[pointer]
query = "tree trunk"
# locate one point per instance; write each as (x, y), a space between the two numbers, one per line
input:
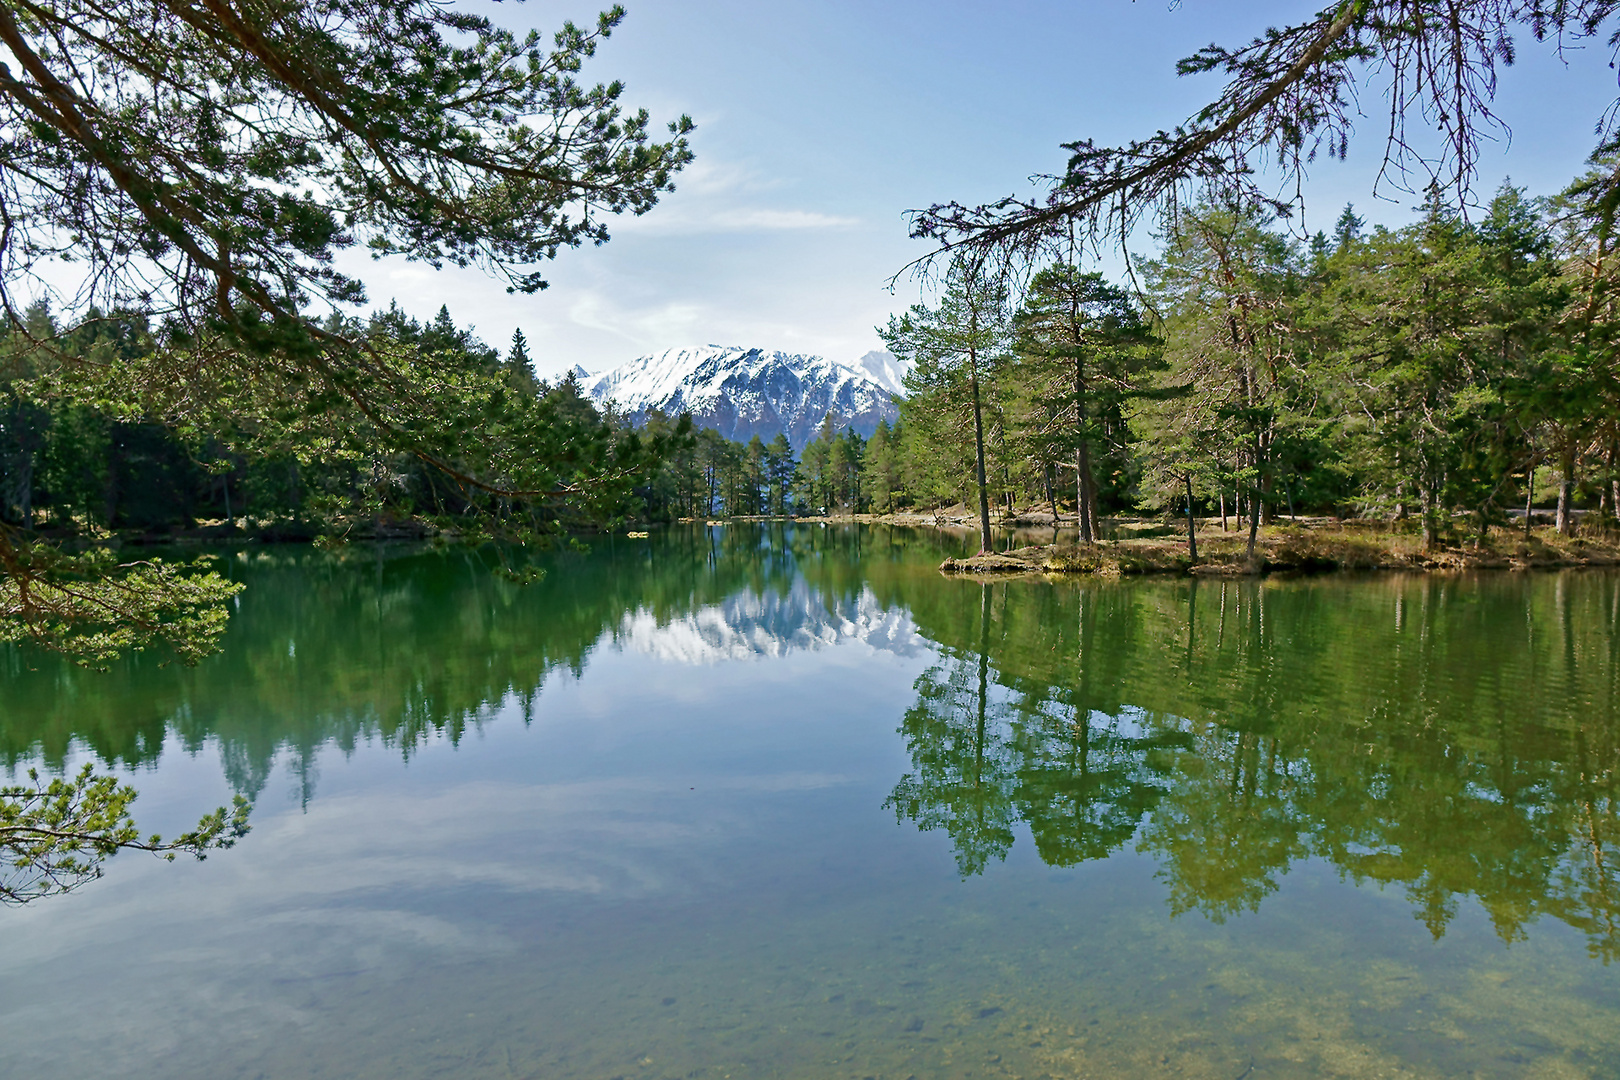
(985, 543)
(1566, 490)
(1192, 522)
(1529, 500)
(1085, 510)
(1431, 513)
(1086, 491)
(1255, 496)
(1222, 495)
(1254, 526)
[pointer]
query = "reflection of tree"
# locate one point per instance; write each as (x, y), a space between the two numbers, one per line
(962, 783)
(1080, 780)
(1454, 739)
(401, 645)
(369, 643)
(1088, 770)
(1085, 780)
(1229, 827)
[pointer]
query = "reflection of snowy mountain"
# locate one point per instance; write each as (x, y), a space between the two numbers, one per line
(749, 624)
(746, 392)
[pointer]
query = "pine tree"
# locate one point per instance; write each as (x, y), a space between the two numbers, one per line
(781, 473)
(955, 349)
(519, 366)
(1085, 351)
(211, 194)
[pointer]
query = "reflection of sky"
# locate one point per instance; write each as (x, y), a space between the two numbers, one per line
(645, 782)
(687, 864)
(686, 861)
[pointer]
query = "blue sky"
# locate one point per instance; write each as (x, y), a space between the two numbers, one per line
(821, 121)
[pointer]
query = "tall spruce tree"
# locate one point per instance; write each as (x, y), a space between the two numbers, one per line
(955, 349)
(1085, 352)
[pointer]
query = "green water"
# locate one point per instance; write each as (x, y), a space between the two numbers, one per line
(787, 803)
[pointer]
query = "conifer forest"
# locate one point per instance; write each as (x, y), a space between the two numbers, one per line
(1454, 374)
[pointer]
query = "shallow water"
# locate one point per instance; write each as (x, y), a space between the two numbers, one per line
(787, 803)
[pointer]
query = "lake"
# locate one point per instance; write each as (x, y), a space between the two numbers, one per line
(783, 801)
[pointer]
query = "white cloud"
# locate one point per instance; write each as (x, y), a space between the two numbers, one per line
(695, 221)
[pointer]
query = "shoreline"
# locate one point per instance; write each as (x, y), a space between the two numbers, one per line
(1133, 546)
(1296, 550)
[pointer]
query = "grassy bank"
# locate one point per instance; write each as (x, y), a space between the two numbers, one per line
(1299, 547)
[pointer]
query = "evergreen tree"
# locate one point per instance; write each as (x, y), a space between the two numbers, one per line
(519, 366)
(956, 349)
(780, 473)
(880, 471)
(211, 197)
(1223, 288)
(1085, 352)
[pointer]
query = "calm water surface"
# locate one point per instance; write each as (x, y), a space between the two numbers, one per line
(787, 803)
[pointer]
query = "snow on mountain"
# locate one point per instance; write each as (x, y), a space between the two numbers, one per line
(746, 392)
(751, 624)
(885, 369)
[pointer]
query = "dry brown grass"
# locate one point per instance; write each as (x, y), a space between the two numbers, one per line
(1307, 547)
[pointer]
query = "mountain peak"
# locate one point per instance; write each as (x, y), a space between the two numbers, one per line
(743, 392)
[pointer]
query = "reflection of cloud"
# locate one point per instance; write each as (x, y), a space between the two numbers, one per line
(383, 924)
(373, 886)
(604, 838)
(619, 839)
(748, 625)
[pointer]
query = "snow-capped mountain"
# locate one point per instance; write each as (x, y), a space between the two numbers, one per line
(751, 624)
(885, 369)
(746, 392)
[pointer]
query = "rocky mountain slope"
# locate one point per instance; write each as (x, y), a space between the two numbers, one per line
(747, 392)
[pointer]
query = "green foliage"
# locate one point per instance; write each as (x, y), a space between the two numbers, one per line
(92, 608)
(497, 454)
(1421, 373)
(958, 351)
(1220, 728)
(1085, 354)
(55, 836)
(201, 167)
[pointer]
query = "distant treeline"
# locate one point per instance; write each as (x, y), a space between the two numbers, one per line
(1446, 372)
(71, 467)
(66, 466)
